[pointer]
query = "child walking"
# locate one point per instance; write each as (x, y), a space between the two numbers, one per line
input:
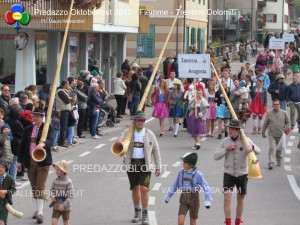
(189, 182)
(7, 188)
(61, 193)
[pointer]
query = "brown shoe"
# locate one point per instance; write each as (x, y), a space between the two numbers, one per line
(65, 145)
(34, 216)
(170, 129)
(40, 218)
(254, 130)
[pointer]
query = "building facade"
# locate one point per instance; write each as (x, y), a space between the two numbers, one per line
(101, 35)
(190, 29)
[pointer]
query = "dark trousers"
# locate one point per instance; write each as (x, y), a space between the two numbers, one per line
(64, 117)
(86, 119)
(119, 99)
(80, 125)
(242, 58)
(124, 104)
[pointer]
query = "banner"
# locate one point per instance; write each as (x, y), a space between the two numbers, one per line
(194, 66)
(276, 43)
(288, 37)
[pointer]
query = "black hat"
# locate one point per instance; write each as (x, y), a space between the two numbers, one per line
(190, 158)
(235, 124)
(3, 163)
(38, 111)
(139, 115)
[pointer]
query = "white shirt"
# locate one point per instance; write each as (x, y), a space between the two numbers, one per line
(138, 137)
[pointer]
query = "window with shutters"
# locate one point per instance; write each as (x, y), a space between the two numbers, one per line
(146, 42)
(187, 39)
(201, 40)
(271, 0)
(270, 18)
(193, 36)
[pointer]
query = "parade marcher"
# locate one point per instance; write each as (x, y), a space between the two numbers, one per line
(63, 104)
(159, 99)
(293, 100)
(258, 106)
(210, 95)
(189, 182)
(261, 61)
(278, 90)
(7, 188)
(196, 121)
(222, 112)
(119, 91)
(37, 171)
(226, 78)
(176, 104)
(143, 157)
(235, 169)
(62, 192)
(264, 77)
(278, 123)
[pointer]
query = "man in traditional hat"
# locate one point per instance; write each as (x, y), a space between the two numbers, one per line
(278, 90)
(143, 149)
(37, 171)
(235, 168)
(278, 122)
(189, 182)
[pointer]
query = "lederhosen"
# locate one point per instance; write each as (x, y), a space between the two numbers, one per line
(189, 199)
(138, 173)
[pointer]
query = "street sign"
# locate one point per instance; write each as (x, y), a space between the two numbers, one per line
(288, 37)
(276, 43)
(194, 66)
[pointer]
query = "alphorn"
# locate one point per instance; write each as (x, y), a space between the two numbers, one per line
(120, 148)
(12, 211)
(39, 154)
(253, 165)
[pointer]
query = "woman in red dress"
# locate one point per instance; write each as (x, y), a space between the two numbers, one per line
(258, 106)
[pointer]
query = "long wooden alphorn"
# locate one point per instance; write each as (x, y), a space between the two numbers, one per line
(253, 165)
(120, 148)
(39, 154)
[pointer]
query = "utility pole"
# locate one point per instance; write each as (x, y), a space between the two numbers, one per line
(282, 28)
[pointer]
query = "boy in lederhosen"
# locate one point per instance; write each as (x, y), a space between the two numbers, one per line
(189, 182)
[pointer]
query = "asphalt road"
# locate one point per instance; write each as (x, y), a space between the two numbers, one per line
(102, 195)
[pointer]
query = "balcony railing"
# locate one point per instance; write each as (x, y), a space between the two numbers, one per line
(261, 4)
(231, 25)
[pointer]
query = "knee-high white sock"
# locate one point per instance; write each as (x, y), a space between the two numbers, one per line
(254, 121)
(40, 205)
(259, 123)
(176, 128)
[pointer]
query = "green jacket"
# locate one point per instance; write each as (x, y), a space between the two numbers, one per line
(9, 185)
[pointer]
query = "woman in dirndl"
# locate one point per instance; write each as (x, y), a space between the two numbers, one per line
(222, 112)
(211, 111)
(159, 99)
(196, 124)
(176, 104)
(258, 106)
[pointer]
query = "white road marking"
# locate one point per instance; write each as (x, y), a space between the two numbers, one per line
(295, 130)
(84, 154)
(290, 143)
(51, 172)
(151, 200)
(152, 217)
(178, 163)
(156, 187)
(23, 185)
(287, 168)
(165, 174)
(149, 120)
(70, 161)
(204, 139)
(292, 137)
(287, 160)
(99, 146)
(294, 186)
(113, 139)
(288, 151)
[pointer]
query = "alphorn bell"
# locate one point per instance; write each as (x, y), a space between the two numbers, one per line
(253, 165)
(14, 212)
(38, 154)
(120, 148)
